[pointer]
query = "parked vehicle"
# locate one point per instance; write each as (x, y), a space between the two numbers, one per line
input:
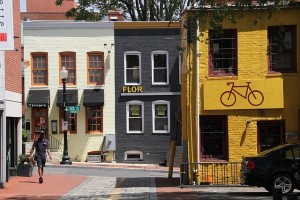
(278, 167)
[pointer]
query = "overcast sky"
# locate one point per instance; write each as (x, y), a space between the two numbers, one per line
(22, 5)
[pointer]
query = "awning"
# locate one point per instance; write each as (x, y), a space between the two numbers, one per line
(71, 98)
(38, 98)
(93, 97)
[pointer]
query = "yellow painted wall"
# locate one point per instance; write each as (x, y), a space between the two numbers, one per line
(282, 104)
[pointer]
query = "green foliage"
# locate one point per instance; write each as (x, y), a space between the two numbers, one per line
(24, 133)
(24, 158)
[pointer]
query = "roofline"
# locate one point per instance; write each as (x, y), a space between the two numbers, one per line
(68, 24)
(146, 25)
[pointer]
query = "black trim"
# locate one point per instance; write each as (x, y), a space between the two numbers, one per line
(38, 98)
(93, 97)
(71, 98)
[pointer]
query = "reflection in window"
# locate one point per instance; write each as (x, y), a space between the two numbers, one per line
(40, 68)
(135, 114)
(161, 116)
(223, 52)
(282, 49)
(160, 66)
(95, 68)
(94, 118)
(132, 68)
(214, 137)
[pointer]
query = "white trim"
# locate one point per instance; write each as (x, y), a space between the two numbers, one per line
(125, 68)
(133, 152)
(153, 116)
(152, 94)
(167, 67)
(127, 115)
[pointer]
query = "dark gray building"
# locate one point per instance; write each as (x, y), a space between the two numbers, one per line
(147, 81)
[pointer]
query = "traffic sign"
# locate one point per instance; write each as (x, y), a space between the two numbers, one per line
(73, 109)
(64, 125)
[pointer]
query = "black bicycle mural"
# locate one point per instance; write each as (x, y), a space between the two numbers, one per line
(228, 98)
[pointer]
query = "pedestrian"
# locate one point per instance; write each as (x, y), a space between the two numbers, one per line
(41, 147)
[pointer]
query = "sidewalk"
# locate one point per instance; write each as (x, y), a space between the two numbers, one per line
(60, 186)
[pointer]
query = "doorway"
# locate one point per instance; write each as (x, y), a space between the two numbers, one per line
(270, 134)
(39, 120)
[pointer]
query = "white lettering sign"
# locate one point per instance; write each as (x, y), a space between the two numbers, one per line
(6, 25)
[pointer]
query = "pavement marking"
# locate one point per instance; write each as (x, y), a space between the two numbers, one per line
(152, 189)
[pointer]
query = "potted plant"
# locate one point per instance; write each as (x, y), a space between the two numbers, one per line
(25, 165)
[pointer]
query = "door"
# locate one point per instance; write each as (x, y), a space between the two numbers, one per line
(39, 122)
(270, 134)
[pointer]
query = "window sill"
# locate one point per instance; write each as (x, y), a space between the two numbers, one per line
(280, 74)
(223, 77)
(94, 132)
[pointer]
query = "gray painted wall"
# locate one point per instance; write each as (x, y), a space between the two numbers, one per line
(155, 147)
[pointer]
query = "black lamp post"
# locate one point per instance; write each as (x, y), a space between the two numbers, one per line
(64, 76)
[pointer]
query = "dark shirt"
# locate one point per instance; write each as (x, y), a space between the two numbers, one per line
(41, 147)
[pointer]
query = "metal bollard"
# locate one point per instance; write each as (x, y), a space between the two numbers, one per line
(292, 196)
(277, 194)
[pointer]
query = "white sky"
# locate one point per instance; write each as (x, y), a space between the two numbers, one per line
(23, 5)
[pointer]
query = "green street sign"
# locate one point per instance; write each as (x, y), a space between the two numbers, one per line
(73, 109)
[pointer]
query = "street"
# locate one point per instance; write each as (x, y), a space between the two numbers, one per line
(118, 183)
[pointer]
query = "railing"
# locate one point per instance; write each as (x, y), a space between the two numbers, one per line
(210, 173)
(54, 143)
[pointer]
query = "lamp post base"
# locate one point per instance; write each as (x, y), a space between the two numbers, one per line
(66, 161)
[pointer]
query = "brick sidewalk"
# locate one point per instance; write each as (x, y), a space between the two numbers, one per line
(54, 187)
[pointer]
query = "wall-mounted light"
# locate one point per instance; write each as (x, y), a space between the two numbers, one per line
(54, 126)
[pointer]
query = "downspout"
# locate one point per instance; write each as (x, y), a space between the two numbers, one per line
(198, 95)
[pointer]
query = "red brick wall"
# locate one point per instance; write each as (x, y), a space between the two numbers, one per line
(13, 71)
(48, 6)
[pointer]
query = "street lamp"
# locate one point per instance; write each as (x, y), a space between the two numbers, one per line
(64, 76)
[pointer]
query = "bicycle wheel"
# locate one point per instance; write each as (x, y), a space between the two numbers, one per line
(255, 98)
(228, 98)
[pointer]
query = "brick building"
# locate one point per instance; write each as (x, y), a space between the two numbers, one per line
(242, 89)
(10, 92)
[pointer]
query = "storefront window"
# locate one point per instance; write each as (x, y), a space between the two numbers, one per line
(214, 137)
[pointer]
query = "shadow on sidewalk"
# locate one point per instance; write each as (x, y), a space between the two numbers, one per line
(167, 182)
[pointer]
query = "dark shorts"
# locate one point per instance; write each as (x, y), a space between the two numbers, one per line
(40, 161)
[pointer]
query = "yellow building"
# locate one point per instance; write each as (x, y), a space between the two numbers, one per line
(240, 88)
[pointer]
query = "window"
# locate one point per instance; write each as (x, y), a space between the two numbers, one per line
(94, 119)
(213, 132)
(133, 155)
(160, 68)
(95, 68)
(132, 68)
(282, 48)
(72, 121)
(39, 68)
(135, 117)
(68, 60)
(223, 52)
(161, 116)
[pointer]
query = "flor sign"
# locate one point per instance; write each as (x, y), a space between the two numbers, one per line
(6, 25)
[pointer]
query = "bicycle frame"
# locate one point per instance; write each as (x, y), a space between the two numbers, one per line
(244, 86)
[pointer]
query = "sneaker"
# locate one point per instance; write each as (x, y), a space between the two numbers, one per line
(41, 180)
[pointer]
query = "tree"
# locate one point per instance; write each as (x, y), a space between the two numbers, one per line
(134, 10)
(170, 10)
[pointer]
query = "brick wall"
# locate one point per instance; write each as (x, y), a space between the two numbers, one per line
(13, 72)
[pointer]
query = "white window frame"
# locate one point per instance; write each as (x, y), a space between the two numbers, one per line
(127, 115)
(133, 152)
(152, 67)
(125, 67)
(153, 116)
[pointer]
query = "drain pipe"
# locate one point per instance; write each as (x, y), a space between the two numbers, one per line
(198, 95)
